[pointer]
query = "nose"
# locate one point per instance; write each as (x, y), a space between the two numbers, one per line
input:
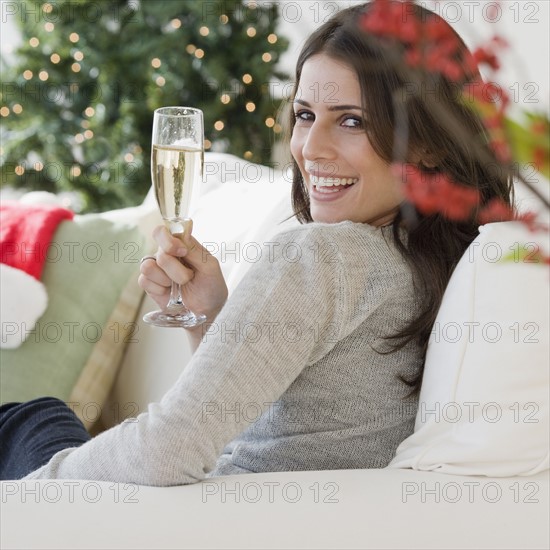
(318, 144)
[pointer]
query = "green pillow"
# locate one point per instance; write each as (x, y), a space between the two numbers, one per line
(90, 262)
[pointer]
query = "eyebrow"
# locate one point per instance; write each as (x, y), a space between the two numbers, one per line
(332, 108)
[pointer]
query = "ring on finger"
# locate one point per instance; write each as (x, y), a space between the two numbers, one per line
(147, 258)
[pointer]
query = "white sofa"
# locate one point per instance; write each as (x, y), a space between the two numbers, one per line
(388, 508)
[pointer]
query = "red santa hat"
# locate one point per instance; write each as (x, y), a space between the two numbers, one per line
(26, 231)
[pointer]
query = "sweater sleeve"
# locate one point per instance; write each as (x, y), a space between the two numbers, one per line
(285, 315)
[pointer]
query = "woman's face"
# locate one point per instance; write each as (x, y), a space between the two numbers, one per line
(345, 178)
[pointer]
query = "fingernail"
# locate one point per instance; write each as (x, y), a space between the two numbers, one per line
(181, 252)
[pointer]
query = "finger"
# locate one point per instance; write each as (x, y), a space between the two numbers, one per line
(167, 242)
(187, 232)
(186, 246)
(151, 270)
(196, 255)
(174, 268)
(152, 288)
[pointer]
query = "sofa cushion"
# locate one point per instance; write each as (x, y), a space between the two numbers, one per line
(484, 400)
(74, 352)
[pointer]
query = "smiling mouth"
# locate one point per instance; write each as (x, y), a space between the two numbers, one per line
(331, 185)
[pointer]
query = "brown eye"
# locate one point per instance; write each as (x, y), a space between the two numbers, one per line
(304, 116)
(353, 122)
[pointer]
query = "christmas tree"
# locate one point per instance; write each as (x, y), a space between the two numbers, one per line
(77, 104)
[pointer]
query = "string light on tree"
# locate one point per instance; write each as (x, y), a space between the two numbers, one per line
(59, 44)
(277, 128)
(272, 38)
(38, 166)
(75, 171)
(248, 155)
(266, 57)
(19, 170)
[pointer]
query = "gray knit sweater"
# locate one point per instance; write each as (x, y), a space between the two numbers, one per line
(287, 378)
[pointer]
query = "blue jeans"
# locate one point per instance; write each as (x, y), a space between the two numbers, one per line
(32, 432)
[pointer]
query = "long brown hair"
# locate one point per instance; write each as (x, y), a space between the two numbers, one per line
(459, 149)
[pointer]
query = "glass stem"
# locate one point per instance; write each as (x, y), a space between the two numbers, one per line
(175, 296)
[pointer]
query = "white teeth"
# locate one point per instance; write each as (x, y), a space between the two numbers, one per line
(319, 181)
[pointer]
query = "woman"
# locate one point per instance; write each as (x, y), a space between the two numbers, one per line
(340, 308)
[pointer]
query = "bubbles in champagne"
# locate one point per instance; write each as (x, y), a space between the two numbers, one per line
(175, 172)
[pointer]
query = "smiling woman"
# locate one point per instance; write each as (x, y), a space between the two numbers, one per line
(345, 178)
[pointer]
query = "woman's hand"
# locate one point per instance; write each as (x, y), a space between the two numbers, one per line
(203, 287)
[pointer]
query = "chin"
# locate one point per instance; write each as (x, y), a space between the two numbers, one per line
(324, 218)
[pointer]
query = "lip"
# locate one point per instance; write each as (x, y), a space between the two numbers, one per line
(328, 197)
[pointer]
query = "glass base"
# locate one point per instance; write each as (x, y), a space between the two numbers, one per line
(181, 317)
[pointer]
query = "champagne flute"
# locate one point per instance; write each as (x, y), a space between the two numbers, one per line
(176, 169)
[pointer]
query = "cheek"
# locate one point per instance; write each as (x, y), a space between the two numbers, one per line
(296, 147)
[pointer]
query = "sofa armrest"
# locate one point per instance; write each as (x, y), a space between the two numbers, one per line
(329, 509)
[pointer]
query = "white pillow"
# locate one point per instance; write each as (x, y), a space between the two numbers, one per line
(484, 399)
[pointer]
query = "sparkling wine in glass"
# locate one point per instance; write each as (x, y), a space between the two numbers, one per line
(176, 169)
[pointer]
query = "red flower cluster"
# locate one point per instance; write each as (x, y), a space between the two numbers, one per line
(496, 210)
(394, 20)
(433, 193)
(431, 44)
(487, 55)
(437, 193)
